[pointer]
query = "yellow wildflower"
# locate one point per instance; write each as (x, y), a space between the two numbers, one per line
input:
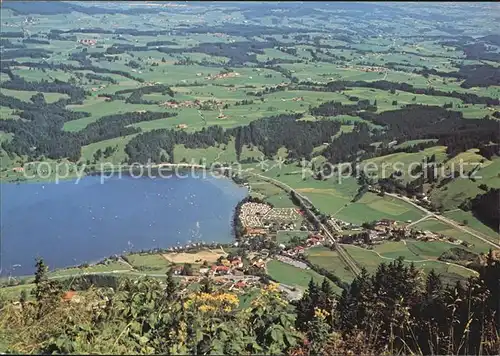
(272, 287)
(320, 313)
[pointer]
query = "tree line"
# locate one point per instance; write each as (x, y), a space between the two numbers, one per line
(40, 132)
(341, 85)
(158, 145)
(68, 67)
(475, 75)
(298, 137)
(486, 207)
(399, 309)
(136, 94)
(449, 127)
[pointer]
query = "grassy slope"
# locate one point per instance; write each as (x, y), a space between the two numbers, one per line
(291, 275)
(370, 260)
(439, 227)
(325, 258)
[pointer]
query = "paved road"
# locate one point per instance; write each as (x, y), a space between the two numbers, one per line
(447, 221)
(291, 261)
(342, 253)
(307, 204)
(292, 294)
(419, 220)
(418, 261)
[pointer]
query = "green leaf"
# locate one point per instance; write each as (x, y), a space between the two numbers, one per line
(274, 335)
(142, 340)
(135, 327)
(152, 319)
(217, 347)
(199, 335)
(291, 340)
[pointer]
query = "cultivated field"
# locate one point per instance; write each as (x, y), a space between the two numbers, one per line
(370, 260)
(199, 257)
(291, 275)
(330, 260)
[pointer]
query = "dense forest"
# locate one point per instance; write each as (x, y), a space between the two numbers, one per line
(158, 145)
(342, 85)
(136, 94)
(421, 121)
(267, 77)
(475, 75)
(271, 133)
(40, 132)
(333, 108)
(268, 134)
(486, 207)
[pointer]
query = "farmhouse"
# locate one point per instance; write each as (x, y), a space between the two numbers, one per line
(259, 263)
(297, 251)
(88, 42)
(220, 270)
(387, 222)
(240, 284)
(314, 240)
(71, 296)
(177, 270)
(236, 262)
(204, 270)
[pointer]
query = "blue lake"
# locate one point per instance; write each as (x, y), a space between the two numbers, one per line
(69, 224)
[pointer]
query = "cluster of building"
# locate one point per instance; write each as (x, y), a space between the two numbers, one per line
(419, 198)
(292, 262)
(367, 68)
(311, 241)
(386, 229)
(88, 42)
(231, 266)
(172, 104)
(102, 86)
(336, 224)
(222, 75)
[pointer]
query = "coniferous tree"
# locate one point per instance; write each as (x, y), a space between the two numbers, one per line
(46, 292)
(171, 287)
(206, 285)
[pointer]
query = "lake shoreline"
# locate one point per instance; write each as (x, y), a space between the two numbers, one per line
(116, 257)
(165, 213)
(123, 169)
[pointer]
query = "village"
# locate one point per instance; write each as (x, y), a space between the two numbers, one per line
(389, 230)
